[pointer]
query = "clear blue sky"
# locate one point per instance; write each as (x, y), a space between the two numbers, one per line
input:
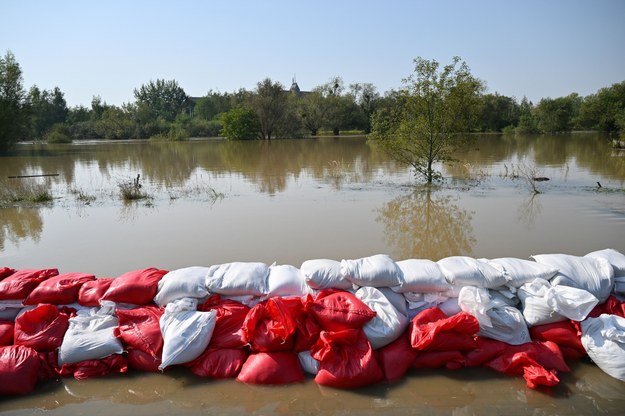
(532, 48)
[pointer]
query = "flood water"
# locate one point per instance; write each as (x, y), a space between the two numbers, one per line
(213, 201)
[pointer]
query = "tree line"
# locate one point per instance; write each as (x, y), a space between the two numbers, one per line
(163, 110)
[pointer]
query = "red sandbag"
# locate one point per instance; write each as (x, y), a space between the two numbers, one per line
(565, 333)
(19, 369)
(143, 361)
(41, 328)
(612, 306)
(137, 287)
(6, 333)
(271, 325)
(228, 332)
(6, 272)
(338, 310)
(219, 363)
(547, 354)
(58, 290)
(452, 360)
(396, 358)
(346, 360)
(432, 328)
(114, 363)
(279, 367)
(139, 329)
(19, 284)
(307, 332)
(92, 291)
(486, 349)
(520, 363)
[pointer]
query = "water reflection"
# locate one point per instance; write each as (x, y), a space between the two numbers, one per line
(427, 224)
(20, 223)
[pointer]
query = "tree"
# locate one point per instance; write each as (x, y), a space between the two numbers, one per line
(240, 123)
(432, 110)
(498, 112)
(46, 109)
(270, 102)
(557, 115)
(13, 115)
(367, 98)
(162, 99)
(211, 105)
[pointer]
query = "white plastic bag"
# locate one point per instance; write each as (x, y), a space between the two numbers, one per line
(467, 271)
(603, 339)
(615, 258)
(308, 363)
(186, 331)
(238, 278)
(374, 271)
(421, 275)
(520, 271)
(388, 324)
(286, 280)
(188, 282)
(324, 274)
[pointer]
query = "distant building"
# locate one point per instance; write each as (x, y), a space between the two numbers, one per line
(296, 90)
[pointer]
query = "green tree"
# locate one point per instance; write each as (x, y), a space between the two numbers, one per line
(600, 111)
(527, 120)
(270, 103)
(13, 115)
(557, 115)
(162, 99)
(497, 112)
(367, 98)
(46, 109)
(240, 123)
(434, 108)
(312, 111)
(211, 105)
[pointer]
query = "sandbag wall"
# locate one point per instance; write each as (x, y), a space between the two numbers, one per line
(348, 323)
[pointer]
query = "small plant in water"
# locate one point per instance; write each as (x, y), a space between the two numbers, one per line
(25, 192)
(131, 190)
(529, 174)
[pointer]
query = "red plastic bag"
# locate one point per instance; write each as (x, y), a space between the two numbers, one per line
(219, 363)
(19, 369)
(486, 349)
(19, 284)
(228, 332)
(278, 367)
(114, 363)
(433, 330)
(547, 354)
(612, 306)
(143, 361)
(346, 360)
(58, 290)
(338, 310)
(139, 329)
(6, 333)
(6, 272)
(92, 291)
(452, 360)
(565, 333)
(396, 358)
(271, 325)
(41, 328)
(137, 287)
(521, 363)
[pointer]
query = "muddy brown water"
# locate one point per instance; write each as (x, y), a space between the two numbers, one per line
(212, 201)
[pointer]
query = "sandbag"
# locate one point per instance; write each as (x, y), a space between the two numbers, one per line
(9, 309)
(139, 329)
(346, 360)
(115, 363)
(615, 258)
(19, 369)
(324, 274)
(309, 364)
(276, 367)
(272, 325)
(396, 358)
(593, 274)
(497, 320)
(137, 287)
(91, 292)
(422, 276)
(338, 310)
(449, 359)
(604, 340)
(230, 316)
(485, 350)
(433, 330)
(388, 324)
(521, 363)
(186, 331)
(18, 285)
(6, 272)
(286, 280)
(377, 271)
(520, 271)
(467, 271)
(612, 306)
(58, 290)
(238, 278)
(41, 328)
(219, 363)
(6, 332)
(188, 282)
(90, 336)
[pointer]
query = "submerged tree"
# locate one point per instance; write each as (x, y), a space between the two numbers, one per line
(13, 117)
(425, 124)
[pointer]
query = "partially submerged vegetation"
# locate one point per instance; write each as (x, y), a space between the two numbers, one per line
(24, 192)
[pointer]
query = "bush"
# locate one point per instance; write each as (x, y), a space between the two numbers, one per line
(58, 133)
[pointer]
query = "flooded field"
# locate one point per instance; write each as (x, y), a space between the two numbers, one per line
(208, 202)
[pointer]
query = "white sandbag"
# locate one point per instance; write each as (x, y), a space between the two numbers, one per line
(619, 285)
(467, 271)
(324, 274)
(397, 299)
(286, 280)
(594, 274)
(497, 319)
(90, 335)
(186, 331)
(375, 271)
(308, 363)
(9, 309)
(421, 275)
(544, 303)
(388, 324)
(450, 307)
(520, 271)
(188, 282)
(507, 296)
(616, 259)
(603, 339)
(238, 278)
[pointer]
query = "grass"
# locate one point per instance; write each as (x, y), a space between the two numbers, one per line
(131, 190)
(25, 192)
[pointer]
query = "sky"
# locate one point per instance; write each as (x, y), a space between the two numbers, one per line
(108, 48)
